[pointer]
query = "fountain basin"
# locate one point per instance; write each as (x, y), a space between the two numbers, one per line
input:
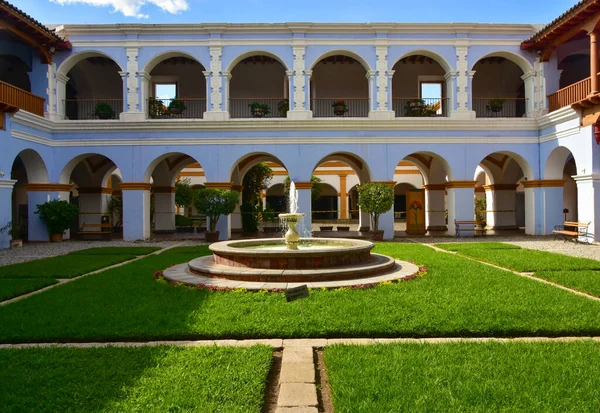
(273, 254)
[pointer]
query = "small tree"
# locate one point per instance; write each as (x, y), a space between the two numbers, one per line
(480, 208)
(376, 199)
(57, 215)
(184, 193)
(215, 202)
(256, 179)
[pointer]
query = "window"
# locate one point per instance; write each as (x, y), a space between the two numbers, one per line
(432, 94)
(165, 92)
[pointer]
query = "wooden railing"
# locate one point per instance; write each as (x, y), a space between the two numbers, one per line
(570, 94)
(13, 97)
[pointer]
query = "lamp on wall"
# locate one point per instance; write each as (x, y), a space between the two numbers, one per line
(597, 132)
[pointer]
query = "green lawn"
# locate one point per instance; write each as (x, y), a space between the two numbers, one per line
(10, 288)
(143, 379)
(521, 259)
(63, 266)
(586, 281)
(474, 377)
(458, 297)
(116, 251)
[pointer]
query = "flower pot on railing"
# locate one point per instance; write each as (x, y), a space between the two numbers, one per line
(495, 105)
(259, 110)
(339, 108)
(177, 106)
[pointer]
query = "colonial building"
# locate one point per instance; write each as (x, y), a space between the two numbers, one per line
(94, 112)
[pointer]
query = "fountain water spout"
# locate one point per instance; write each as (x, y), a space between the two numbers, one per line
(291, 236)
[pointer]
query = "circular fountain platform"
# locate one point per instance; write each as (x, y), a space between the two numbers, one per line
(268, 264)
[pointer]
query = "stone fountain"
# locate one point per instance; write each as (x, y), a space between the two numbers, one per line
(274, 263)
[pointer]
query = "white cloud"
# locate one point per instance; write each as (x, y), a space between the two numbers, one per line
(132, 8)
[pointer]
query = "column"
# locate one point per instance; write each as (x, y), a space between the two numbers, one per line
(382, 96)
(164, 209)
(224, 223)
(543, 206)
(343, 197)
(38, 194)
(463, 89)
(501, 206)
(93, 203)
(136, 210)
(305, 207)
(594, 61)
(529, 82)
(6, 213)
(370, 75)
(215, 109)
(145, 83)
(131, 86)
(451, 104)
(461, 204)
(299, 87)
(435, 202)
(588, 202)
(236, 217)
(61, 95)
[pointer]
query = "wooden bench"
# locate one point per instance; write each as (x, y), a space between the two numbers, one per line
(573, 230)
(104, 230)
(471, 227)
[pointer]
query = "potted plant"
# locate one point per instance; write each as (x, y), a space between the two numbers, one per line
(270, 220)
(250, 219)
(259, 110)
(416, 107)
(177, 106)
(15, 229)
(283, 107)
(375, 199)
(183, 224)
(495, 105)
(344, 225)
(213, 203)
(156, 108)
(104, 111)
(480, 213)
(339, 107)
(58, 216)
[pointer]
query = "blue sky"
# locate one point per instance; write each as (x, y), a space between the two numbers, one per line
(251, 11)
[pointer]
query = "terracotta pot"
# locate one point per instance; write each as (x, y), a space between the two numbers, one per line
(56, 237)
(258, 113)
(16, 243)
(339, 110)
(271, 230)
(326, 228)
(377, 235)
(211, 236)
(343, 228)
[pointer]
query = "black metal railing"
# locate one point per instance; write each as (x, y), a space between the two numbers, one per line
(181, 108)
(258, 107)
(420, 107)
(85, 109)
(500, 107)
(352, 108)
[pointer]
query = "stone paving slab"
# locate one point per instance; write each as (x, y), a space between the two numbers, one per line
(297, 373)
(297, 395)
(297, 410)
(298, 354)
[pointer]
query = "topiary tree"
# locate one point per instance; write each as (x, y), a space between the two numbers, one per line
(184, 193)
(215, 202)
(376, 199)
(57, 215)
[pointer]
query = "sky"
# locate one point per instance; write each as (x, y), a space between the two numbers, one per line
(270, 11)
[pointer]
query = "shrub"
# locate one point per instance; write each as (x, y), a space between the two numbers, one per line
(184, 194)
(182, 221)
(376, 199)
(104, 111)
(215, 202)
(58, 215)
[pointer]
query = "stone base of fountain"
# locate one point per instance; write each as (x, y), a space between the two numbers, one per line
(267, 263)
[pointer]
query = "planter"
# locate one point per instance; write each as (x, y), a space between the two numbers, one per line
(339, 110)
(270, 230)
(56, 237)
(184, 229)
(249, 234)
(176, 111)
(211, 236)
(16, 243)
(258, 113)
(377, 235)
(343, 228)
(105, 116)
(326, 228)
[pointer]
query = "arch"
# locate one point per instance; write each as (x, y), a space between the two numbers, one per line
(523, 164)
(243, 164)
(72, 60)
(554, 164)
(257, 52)
(358, 164)
(157, 59)
(513, 57)
(65, 174)
(341, 52)
(171, 166)
(424, 161)
(35, 167)
(428, 53)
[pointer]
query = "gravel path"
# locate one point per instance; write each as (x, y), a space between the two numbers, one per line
(546, 243)
(31, 252)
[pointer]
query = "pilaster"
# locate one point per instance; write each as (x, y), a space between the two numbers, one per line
(6, 213)
(463, 91)
(305, 207)
(136, 210)
(216, 104)
(300, 103)
(435, 214)
(131, 85)
(461, 204)
(588, 202)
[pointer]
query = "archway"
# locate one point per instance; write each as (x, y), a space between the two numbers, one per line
(339, 86)
(419, 87)
(498, 88)
(176, 88)
(258, 87)
(15, 71)
(561, 165)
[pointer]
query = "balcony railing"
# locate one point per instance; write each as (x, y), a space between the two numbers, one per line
(416, 107)
(570, 94)
(500, 107)
(87, 109)
(182, 108)
(13, 97)
(241, 107)
(323, 108)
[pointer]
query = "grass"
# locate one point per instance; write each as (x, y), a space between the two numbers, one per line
(586, 281)
(521, 259)
(143, 379)
(62, 266)
(10, 288)
(474, 377)
(458, 297)
(116, 251)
